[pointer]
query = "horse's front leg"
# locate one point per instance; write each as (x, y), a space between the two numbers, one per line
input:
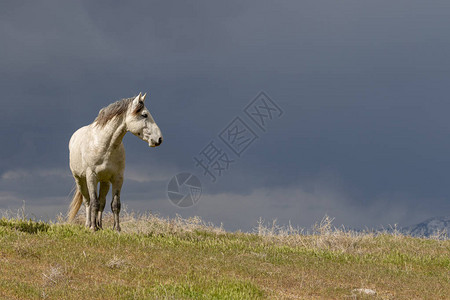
(104, 188)
(94, 205)
(115, 204)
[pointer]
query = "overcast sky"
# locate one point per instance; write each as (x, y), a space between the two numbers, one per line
(363, 86)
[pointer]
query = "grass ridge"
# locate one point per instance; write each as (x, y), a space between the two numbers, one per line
(162, 258)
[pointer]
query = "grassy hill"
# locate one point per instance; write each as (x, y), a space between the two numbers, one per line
(155, 258)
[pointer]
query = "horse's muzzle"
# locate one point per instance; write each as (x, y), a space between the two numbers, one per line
(155, 144)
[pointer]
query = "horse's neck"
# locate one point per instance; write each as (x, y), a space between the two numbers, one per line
(110, 136)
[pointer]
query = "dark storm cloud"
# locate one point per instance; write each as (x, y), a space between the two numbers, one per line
(364, 88)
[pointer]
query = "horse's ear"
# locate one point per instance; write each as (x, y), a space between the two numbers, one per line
(137, 99)
(143, 97)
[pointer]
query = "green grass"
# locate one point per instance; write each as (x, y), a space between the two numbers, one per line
(155, 258)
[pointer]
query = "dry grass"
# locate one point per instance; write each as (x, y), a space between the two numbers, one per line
(53, 275)
(149, 223)
(161, 258)
(116, 263)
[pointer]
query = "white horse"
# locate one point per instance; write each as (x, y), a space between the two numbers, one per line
(97, 156)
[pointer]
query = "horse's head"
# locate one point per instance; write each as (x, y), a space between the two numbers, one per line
(140, 122)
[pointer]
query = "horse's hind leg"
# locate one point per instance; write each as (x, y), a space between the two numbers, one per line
(104, 188)
(82, 187)
(115, 204)
(92, 181)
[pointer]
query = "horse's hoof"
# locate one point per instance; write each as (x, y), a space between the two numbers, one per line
(93, 228)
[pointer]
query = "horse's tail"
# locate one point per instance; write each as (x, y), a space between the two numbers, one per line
(75, 205)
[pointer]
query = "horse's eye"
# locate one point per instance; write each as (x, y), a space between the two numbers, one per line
(144, 115)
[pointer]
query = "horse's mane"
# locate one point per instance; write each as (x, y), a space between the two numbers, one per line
(116, 109)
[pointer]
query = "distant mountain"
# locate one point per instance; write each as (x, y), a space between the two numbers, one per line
(429, 227)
